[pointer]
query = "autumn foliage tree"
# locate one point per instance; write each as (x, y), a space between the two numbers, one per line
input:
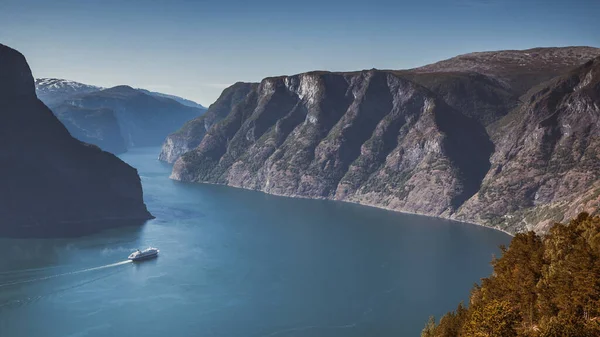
(541, 287)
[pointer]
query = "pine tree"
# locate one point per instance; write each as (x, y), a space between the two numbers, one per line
(541, 287)
(429, 329)
(493, 319)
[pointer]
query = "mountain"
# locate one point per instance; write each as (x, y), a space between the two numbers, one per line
(368, 137)
(97, 126)
(517, 70)
(144, 120)
(52, 91)
(192, 132)
(436, 140)
(115, 118)
(180, 100)
(478, 96)
(53, 184)
(547, 158)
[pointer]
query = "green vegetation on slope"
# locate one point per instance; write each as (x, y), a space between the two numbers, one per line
(541, 287)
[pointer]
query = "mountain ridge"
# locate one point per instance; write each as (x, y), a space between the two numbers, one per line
(115, 118)
(54, 90)
(517, 69)
(54, 185)
(422, 142)
(312, 127)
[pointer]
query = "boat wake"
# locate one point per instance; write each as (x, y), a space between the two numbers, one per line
(29, 270)
(33, 299)
(65, 274)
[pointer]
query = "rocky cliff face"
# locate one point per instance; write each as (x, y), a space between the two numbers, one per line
(51, 183)
(482, 97)
(370, 137)
(192, 132)
(546, 167)
(434, 140)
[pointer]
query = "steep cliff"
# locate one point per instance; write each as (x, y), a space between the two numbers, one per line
(479, 96)
(192, 132)
(369, 137)
(51, 183)
(546, 167)
(457, 139)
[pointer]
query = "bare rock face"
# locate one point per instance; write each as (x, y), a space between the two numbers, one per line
(370, 137)
(51, 183)
(192, 132)
(494, 138)
(546, 167)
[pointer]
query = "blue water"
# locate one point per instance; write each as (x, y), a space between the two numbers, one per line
(240, 263)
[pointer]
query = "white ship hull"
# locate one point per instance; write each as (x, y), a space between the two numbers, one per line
(149, 253)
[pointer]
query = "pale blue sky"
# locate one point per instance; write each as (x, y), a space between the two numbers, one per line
(196, 48)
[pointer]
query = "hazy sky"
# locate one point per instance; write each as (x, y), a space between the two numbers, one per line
(196, 48)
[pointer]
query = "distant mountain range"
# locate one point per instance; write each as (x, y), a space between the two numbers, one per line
(53, 184)
(181, 100)
(55, 90)
(508, 139)
(115, 118)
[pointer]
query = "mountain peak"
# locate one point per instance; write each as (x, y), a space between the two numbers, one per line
(15, 78)
(122, 88)
(53, 184)
(52, 91)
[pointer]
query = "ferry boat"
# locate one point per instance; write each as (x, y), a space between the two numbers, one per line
(143, 254)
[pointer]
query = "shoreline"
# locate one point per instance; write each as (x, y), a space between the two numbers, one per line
(350, 202)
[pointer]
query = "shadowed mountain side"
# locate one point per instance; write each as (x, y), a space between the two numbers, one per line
(95, 126)
(142, 118)
(51, 180)
(546, 165)
(475, 95)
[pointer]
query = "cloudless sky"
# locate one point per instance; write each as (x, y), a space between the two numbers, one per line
(195, 49)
